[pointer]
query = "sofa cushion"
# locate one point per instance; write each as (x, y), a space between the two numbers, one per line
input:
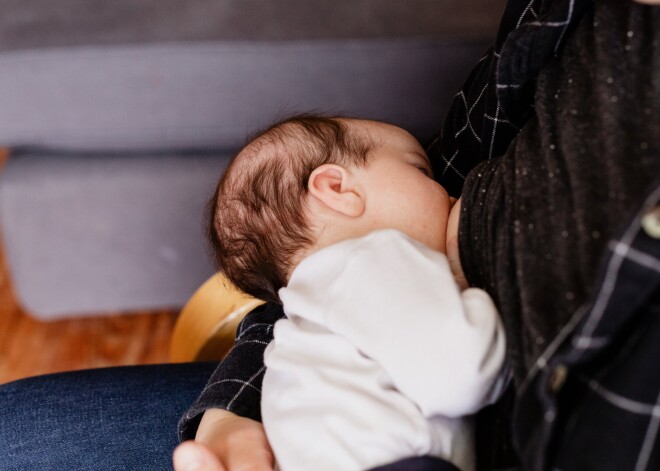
(110, 233)
(209, 95)
(35, 24)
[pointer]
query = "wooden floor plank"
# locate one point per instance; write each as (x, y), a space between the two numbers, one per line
(29, 347)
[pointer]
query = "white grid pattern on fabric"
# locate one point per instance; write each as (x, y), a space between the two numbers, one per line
(585, 339)
(528, 18)
(246, 384)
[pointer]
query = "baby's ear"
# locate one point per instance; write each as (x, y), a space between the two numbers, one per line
(335, 187)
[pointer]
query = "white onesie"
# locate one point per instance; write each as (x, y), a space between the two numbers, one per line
(381, 357)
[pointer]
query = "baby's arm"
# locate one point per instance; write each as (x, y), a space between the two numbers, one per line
(378, 331)
(457, 341)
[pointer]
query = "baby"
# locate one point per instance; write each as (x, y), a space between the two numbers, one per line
(381, 356)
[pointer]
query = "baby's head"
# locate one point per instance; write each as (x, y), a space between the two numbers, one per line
(308, 182)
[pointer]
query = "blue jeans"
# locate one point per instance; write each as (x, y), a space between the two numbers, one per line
(108, 419)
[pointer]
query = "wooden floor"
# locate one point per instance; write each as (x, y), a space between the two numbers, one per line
(29, 347)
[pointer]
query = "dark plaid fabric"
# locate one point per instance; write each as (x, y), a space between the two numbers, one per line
(236, 384)
(594, 376)
(545, 223)
(497, 98)
(591, 401)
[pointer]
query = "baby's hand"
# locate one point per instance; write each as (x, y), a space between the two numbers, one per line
(225, 442)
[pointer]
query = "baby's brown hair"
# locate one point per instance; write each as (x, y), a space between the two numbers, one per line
(257, 220)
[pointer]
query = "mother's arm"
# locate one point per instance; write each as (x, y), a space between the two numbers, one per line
(224, 422)
(224, 442)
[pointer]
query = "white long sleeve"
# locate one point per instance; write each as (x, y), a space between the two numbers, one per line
(381, 357)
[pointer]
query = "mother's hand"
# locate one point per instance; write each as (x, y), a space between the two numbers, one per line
(225, 442)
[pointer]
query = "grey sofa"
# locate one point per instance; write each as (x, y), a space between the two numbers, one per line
(121, 115)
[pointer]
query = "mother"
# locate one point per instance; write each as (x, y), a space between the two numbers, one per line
(554, 141)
